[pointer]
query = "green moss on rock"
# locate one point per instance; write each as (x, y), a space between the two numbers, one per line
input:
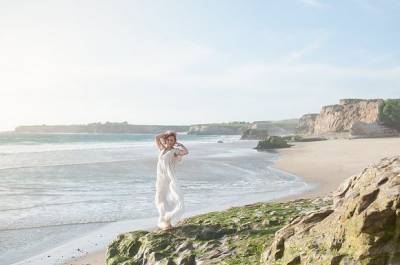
(272, 142)
(237, 235)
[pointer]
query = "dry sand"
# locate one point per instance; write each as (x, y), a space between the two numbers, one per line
(329, 163)
(326, 163)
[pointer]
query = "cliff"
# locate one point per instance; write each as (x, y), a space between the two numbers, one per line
(254, 130)
(259, 130)
(359, 223)
(351, 118)
(108, 127)
(231, 128)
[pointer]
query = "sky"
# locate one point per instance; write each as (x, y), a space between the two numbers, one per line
(187, 62)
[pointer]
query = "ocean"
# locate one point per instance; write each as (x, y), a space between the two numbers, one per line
(55, 188)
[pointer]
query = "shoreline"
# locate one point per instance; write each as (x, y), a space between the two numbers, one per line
(325, 163)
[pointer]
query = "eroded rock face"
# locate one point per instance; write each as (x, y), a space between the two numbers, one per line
(349, 118)
(340, 117)
(361, 227)
(254, 134)
(206, 129)
(307, 123)
(259, 130)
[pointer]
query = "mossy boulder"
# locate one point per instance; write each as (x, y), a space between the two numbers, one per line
(272, 142)
(237, 235)
(362, 227)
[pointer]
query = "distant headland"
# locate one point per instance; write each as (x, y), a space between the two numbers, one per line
(98, 127)
(351, 118)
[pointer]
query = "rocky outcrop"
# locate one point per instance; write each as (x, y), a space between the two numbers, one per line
(256, 130)
(259, 130)
(254, 134)
(361, 227)
(350, 118)
(272, 142)
(307, 123)
(237, 235)
(234, 128)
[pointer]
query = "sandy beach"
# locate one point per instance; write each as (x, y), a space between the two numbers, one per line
(329, 163)
(326, 163)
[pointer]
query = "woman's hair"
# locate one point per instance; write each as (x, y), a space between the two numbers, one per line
(169, 133)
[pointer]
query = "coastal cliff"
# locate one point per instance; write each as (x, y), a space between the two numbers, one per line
(98, 127)
(359, 223)
(353, 118)
(259, 130)
(229, 128)
(255, 130)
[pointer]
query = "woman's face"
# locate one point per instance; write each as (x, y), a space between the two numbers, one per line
(170, 141)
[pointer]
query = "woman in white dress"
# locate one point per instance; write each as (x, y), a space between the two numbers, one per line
(168, 198)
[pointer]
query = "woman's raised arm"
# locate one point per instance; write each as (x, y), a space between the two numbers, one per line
(160, 141)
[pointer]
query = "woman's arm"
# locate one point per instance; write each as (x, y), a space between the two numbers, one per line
(160, 141)
(184, 151)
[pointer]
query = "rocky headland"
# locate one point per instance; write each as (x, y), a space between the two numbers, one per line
(259, 130)
(353, 118)
(255, 130)
(228, 128)
(98, 127)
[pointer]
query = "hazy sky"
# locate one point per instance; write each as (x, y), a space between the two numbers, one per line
(185, 62)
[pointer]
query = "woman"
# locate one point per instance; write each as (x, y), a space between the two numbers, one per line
(171, 152)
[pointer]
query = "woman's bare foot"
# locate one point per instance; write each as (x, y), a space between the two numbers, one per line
(169, 227)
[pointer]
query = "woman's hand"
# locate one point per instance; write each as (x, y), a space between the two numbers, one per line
(184, 150)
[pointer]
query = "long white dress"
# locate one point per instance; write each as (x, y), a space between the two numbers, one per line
(168, 198)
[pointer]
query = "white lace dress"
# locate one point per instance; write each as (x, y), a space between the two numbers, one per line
(168, 198)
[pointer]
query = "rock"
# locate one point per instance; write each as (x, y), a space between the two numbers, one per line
(351, 118)
(187, 258)
(307, 123)
(233, 128)
(272, 142)
(361, 227)
(259, 130)
(234, 236)
(254, 134)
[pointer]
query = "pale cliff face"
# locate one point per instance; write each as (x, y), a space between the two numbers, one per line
(307, 123)
(341, 118)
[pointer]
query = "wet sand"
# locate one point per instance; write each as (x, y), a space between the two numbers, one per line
(95, 258)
